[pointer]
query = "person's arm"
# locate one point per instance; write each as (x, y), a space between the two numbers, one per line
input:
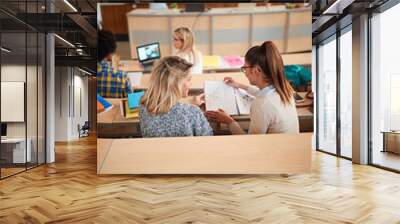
(201, 125)
(235, 128)
(252, 90)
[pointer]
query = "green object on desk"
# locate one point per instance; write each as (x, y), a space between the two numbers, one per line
(297, 75)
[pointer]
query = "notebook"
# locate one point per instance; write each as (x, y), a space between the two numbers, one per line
(105, 105)
(134, 99)
(127, 112)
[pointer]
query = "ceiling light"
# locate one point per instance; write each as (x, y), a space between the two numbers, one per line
(65, 41)
(70, 5)
(5, 50)
(84, 71)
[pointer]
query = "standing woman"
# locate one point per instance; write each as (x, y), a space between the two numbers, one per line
(274, 108)
(161, 112)
(183, 40)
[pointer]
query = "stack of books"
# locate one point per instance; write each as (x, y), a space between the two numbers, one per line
(130, 106)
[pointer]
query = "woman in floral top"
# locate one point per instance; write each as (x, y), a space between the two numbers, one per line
(161, 113)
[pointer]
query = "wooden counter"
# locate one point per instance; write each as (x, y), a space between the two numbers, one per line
(227, 31)
(240, 154)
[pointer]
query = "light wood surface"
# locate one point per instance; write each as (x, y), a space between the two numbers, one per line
(240, 154)
(223, 31)
(288, 59)
(70, 191)
(197, 82)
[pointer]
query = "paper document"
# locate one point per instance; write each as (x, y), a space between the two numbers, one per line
(219, 95)
(135, 78)
(243, 100)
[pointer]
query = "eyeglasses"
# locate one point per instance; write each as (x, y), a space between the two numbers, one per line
(243, 68)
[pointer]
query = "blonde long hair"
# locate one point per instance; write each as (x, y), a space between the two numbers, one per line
(187, 37)
(166, 84)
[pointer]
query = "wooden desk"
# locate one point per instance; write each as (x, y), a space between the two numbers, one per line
(237, 154)
(112, 124)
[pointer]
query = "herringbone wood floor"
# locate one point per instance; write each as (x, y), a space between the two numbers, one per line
(69, 191)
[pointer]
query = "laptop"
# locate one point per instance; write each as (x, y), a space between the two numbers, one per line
(148, 54)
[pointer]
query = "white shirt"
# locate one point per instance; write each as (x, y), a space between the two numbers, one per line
(197, 61)
(268, 114)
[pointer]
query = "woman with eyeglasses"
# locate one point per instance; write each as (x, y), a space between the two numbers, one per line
(162, 112)
(274, 108)
(183, 40)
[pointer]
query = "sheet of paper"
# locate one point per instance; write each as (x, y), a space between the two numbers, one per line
(218, 95)
(135, 78)
(243, 100)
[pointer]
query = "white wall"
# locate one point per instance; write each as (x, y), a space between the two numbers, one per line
(70, 83)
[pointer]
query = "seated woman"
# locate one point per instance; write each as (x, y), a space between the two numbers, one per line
(183, 40)
(161, 113)
(274, 108)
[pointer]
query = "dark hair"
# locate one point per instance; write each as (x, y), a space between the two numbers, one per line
(105, 44)
(269, 59)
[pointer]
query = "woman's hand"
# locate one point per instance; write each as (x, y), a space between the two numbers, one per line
(219, 116)
(199, 99)
(231, 82)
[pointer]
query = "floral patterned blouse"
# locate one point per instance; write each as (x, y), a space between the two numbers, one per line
(182, 120)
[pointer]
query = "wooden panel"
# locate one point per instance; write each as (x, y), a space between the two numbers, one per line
(241, 154)
(279, 44)
(114, 18)
(232, 22)
(92, 90)
(193, 22)
(269, 20)
(299, 59)
(148, 23)
(231, 48)
(300, 44)
(198, 80)
(300, 18)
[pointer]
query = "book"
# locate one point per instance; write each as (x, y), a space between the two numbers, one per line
(100, 107)
(102, 104)
(219, 95)
(126, 111)
(211, 61)
(134, 99)
(131, 113)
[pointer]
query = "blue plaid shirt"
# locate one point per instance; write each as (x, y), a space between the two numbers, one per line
(112, 83)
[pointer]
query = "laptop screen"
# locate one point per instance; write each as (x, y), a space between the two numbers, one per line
(148, 52)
